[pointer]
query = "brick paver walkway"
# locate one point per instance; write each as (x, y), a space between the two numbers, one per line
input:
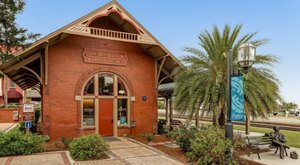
(123, 151)
(47, 158)
(128, 151)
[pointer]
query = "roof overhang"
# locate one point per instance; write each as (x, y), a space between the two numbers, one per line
(27, 70)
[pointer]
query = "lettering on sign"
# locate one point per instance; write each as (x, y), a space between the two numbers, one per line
(28, 107)
(28, 116)
(107, 57)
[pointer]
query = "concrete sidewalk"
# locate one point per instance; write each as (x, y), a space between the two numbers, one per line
(5, 127)
(123, 151)
(270, 158)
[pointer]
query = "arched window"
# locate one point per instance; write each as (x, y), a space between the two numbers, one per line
(121, 88)
(105, 86)
(89, 87)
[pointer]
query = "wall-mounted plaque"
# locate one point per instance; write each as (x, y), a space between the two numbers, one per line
(107, 57)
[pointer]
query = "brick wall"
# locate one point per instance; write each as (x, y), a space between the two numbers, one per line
(61, 116)
(6, 115)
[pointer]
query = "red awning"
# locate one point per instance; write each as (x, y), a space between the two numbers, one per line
(14, 95)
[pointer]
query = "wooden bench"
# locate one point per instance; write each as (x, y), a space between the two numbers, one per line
(257, 143)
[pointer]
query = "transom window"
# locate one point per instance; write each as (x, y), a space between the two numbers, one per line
(104, 86)
(106, 82)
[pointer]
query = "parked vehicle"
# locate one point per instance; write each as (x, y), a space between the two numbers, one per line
(296, 112)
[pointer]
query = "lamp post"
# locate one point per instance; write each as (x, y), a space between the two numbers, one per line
(246, 58)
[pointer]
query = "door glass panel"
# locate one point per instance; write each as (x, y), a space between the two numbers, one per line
(106, 83)
(122, 111)
(88, 112)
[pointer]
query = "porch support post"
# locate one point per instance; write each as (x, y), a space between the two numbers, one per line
(171, 109)
(155, 74)
(46, 63)
(42, 70)
(167, 112)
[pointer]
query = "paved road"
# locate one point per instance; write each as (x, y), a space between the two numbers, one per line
(288, 120)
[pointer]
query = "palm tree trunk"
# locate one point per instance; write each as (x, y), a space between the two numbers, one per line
(247, 123)
(222, 116)
(215, 119)
(197, 117)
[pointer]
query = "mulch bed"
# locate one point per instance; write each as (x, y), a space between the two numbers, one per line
(175, 153)
(178, 154)
(58, 146)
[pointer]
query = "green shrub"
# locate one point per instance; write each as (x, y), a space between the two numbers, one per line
(160, 104)
(185, 135)
(172, 134)
(10, 106)
(13, 106)
(239, 142)
(160, 126)
(209, 147)
(17, 143)
(88, 147)
(148, 137)
(66, 142)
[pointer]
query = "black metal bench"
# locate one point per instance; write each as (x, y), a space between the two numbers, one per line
(257, 143)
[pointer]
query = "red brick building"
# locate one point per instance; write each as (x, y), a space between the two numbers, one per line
(98, 74)
(14, 92)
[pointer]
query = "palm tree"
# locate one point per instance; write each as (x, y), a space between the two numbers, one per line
(202, 83)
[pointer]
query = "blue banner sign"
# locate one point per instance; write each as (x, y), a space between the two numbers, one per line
(237, 99)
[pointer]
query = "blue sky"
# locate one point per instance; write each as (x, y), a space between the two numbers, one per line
(177, 23)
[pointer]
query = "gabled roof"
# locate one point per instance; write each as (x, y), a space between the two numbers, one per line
(166, 61)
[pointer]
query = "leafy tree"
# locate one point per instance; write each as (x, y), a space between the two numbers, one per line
(289, 105)
(12, 37)
(202, 83)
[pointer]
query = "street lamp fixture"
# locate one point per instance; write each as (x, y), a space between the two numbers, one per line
(246, 55)
(246, 58)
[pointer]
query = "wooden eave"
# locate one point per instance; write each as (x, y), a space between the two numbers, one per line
(153, 48)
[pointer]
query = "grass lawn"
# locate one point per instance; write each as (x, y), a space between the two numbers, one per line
(292, 137)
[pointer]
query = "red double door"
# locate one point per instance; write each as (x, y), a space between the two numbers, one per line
(106, 107)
